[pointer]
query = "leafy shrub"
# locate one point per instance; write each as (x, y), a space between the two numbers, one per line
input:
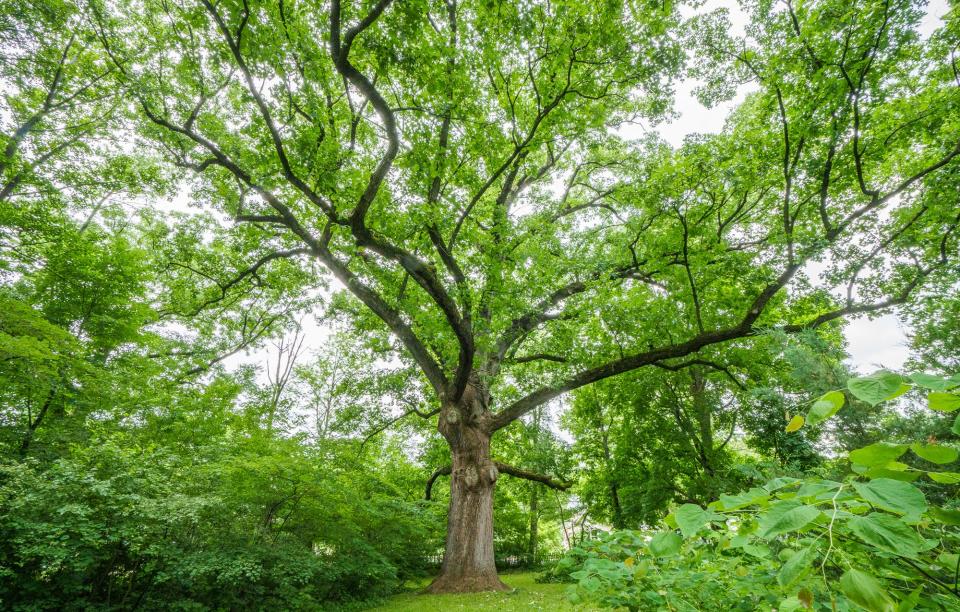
(870, 541)
(120, 527)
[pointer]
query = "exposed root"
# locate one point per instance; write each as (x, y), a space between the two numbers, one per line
(476, 583)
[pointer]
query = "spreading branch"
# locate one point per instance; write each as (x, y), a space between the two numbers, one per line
(503, 468)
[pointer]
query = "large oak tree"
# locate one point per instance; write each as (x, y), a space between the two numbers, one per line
(456, 166)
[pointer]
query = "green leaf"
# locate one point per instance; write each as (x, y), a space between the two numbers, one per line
(888, 533)
(956, 426)
(780, 482)
(895, 474)
(944, 515)
(791, 604)
(864, 590)
(931, 382)
(785, 516)
(911, 601)
(671, 520)
(796, 566)
(942, 401)
(691, 518)
(817, 489)
(877, 387)
(755, 495)
(879, 454)
(665, 544)
(825, 407)
(904, 387)
(795, 423)
(894, 495)
(756, 550)
(935, 453)
(944, 477)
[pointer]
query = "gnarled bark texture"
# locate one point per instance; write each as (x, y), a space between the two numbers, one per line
(468, 561)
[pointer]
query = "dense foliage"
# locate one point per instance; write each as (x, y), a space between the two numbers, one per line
(291, 291)
(872, 539)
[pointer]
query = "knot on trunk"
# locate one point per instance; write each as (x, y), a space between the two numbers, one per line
(478, 476)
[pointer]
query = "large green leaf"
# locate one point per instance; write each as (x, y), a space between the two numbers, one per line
(894, 495)
(691, 518)
(757, 550)
(791, 604)
(932, 382)
(825, 407)
(948, 560)
(911, 601)
(944, 477)
(896, 472)
(665, 544)
(780, 482)
(864, 590)
(817, 489)
(878, 454)
(877, 387)
(888, 533)
(795, 423)
(785, 516)
(941, 401)
(944, 515)
(935, 453)
(796, 566)
(755, 495)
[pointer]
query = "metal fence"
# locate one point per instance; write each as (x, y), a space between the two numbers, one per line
(505, 562)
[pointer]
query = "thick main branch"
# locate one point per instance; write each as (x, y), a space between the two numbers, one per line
(503, 468)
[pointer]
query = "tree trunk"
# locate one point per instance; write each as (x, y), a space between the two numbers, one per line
(468, 562)
(35, 423)
(534, 522)
(618, 521)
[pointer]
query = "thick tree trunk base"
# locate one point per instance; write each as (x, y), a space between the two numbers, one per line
(468, 561)
(476, 583)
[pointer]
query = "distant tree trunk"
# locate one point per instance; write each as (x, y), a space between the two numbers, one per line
(287, 354)
(468, 561)
(617, 508)
(703, 409)
(614, 487)
(32, 425)
(704, 415)
(601, 424)
(567, 535)
(534, 521)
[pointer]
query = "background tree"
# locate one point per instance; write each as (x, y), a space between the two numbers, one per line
(662, 437)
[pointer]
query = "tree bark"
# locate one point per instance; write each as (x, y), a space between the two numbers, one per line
(468, 561)
(534, 523)
(618, 521)
(35, 423)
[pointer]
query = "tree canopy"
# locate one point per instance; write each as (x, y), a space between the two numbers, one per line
(472, 194)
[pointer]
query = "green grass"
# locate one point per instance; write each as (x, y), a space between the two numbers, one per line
(527, 595)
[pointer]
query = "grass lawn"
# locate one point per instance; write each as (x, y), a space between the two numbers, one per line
(528, 595)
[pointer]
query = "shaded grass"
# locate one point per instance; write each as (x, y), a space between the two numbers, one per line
(527, 595)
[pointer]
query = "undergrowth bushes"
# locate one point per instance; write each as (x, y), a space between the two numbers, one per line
(120, 527)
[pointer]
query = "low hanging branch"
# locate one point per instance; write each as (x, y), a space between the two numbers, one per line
(503, 468)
